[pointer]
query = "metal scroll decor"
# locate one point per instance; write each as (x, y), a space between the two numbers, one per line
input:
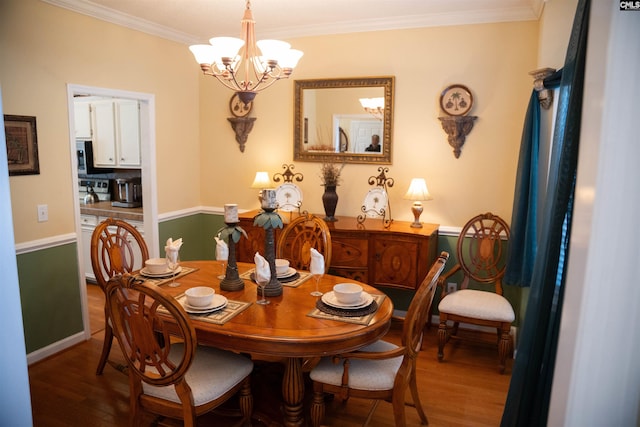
(376, 202)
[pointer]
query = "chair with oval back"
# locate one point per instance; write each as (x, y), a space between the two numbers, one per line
(481, 258)
(169, 374)
(299, 236)
(382, 370)
(115, 245)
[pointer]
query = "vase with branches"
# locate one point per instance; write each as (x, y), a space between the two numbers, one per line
(330, 176)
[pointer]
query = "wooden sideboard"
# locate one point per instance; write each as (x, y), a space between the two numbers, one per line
(397, 257)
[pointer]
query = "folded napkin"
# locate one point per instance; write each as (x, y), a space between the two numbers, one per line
(263, 272)
(222, 250)
(173, 247)
(317, 262)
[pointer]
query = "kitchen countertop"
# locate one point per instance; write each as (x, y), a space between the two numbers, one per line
(105, 209)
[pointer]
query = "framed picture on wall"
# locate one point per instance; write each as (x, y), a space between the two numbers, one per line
(22, 145)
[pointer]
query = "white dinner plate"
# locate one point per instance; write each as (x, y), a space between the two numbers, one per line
(290, 272)
(330, 299)
(218, 302)
(167, 273)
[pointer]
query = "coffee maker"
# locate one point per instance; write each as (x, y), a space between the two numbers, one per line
(128, 193)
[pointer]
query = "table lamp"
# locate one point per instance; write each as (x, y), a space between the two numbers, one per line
(262, 182)
(417, 192)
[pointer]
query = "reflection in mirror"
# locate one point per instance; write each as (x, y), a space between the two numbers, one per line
(331, 124)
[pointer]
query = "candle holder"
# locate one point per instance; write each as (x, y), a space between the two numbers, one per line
(269, 220)
(231, 234)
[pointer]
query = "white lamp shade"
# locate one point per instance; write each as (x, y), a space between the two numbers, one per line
(372, 103)
(226, 47)
(261, 180)
(418, 190)
(273, 49)
(291, 58)
(204, 53)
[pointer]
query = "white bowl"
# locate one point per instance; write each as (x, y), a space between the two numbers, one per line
(200, 296)
(347, 293)
(156, 265)
(282, 266)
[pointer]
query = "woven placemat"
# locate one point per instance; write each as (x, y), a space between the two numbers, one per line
(164, 280)
(359, 312)
(361, 319)
(293, 282)
(219, 317)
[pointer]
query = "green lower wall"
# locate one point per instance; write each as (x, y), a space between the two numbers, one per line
(50, 291)
(197, 232)
(50, 295)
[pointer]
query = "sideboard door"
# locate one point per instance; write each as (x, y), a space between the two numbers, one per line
(394, 261)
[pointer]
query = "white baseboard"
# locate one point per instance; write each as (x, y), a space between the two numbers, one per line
(51, 349)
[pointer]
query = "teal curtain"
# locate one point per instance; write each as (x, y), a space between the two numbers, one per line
(523, 243)
(530, 389)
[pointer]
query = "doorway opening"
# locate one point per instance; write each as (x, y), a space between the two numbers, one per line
(147, 171)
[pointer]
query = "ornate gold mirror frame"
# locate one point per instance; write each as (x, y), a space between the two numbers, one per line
(330, 124)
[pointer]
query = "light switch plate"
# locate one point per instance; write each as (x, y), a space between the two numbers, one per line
(43, 213)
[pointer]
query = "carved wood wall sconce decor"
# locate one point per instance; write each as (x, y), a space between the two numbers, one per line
(456, 101)
(242, 127)
(545, 96)
(240, 122)
(457, 129)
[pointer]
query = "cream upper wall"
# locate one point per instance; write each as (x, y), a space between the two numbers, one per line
(42, 49)
(555, 28)
(492, 60)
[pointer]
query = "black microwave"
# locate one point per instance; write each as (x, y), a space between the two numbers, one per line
(84, 151)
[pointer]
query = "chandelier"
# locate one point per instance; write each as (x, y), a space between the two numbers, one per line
(244, 65)
(373, 106)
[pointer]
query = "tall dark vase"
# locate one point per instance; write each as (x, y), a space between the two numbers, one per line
(330, 201)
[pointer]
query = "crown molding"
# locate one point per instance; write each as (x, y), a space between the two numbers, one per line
(530, 10)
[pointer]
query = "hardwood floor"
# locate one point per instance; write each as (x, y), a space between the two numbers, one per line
(465, 390)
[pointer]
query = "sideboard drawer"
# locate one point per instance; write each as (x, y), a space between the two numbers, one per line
(348, 251)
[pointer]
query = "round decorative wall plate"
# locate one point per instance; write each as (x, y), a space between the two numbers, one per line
(375, 202)
(289, 197)
(456, 100)
(239, 108)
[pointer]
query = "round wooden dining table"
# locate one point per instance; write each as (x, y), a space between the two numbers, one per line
(283, 328)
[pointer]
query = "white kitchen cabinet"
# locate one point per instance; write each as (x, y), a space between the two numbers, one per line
(82, 119)
(116, 133)
(128, 133)
(88, 224)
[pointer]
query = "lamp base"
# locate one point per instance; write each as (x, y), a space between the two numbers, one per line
(417, 211)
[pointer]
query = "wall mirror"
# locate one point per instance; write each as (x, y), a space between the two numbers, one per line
(331, 125)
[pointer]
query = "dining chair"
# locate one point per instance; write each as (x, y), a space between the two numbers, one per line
(481, 252)
(382, 370)
(169, 374)
(116, 247)
(299, 236)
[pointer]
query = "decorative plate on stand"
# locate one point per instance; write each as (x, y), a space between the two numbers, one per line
(375, 202)
(289, 197)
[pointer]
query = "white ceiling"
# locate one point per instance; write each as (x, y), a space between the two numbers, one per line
(195, 21)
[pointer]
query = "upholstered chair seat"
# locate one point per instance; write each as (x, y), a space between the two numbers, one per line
(212, 373)
(363, 374)
(478, 305)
